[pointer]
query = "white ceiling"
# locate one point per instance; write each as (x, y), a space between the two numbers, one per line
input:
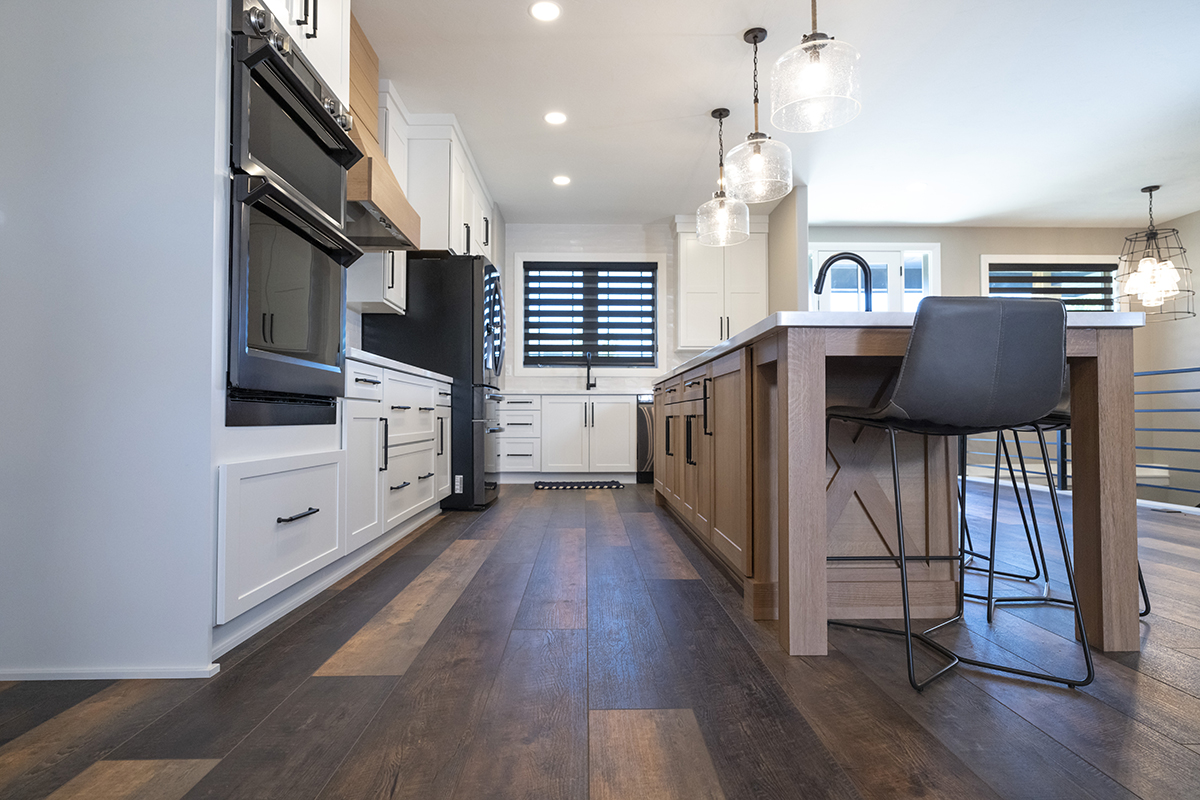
(1010, 112)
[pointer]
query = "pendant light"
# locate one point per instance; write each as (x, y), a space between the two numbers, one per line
(814, 86)
(760, 169)
(1155, 273)
(722, 221)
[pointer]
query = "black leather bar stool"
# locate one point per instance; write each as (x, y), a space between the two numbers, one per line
(973, 365)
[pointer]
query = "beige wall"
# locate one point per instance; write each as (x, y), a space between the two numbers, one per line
(787, 252)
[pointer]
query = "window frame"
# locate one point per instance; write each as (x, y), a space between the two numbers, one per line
(986, 260)
(517, 311)
(933, 248)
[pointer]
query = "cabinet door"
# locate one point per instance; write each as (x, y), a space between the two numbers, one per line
(612, 428)
(325, 41)
(564, 435)
(660, 450)
(377, 284)
(702, 454)
(672, 452)
(729, 421)
(701, 292)
(363, 441)
(395, 280)
(443, 452)
(457, 237)
(745, 283)
(689, 476)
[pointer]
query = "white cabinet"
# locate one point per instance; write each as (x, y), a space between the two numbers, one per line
(279, 520)
(378, 283)
(446, 193)
(589, 433)
(410, 406)
(323, 35)
(443, 440)
(362, 437)
(722, 290)
(409, 481)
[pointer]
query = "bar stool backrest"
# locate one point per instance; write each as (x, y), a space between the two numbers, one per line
(982, 362)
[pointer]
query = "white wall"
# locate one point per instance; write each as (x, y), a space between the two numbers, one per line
(619, 239)
(114, 248)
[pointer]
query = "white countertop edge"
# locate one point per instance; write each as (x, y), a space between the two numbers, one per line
(354, 354)
(577, 393)
(876, 319)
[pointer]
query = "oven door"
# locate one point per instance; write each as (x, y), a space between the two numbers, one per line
(287, 304)
(283, 128)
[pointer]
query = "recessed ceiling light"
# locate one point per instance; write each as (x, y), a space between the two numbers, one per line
(545, 11)
(555, 118)
(561, 180)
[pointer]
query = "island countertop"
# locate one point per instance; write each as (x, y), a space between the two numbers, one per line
(874, 319)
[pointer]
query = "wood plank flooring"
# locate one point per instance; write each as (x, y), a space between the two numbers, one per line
(578, 644)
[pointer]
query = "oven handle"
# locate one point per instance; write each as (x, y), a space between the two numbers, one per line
(277, 202)
(301, 98)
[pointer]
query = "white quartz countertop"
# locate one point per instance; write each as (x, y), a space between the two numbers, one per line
(355, 354)
(876, 319)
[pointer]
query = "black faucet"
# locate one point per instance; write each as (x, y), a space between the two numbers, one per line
(863, 266)
(589, 384)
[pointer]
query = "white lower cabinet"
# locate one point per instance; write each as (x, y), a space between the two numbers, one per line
(443, 453)
(520, 455)
(589, 433)
(280, 520)
(363, 426)
(408, 481)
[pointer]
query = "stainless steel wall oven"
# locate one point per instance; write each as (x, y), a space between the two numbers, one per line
(289, 152)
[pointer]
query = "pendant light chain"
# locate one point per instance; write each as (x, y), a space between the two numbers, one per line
(1151, 210)
(721, 154)
(756, 84)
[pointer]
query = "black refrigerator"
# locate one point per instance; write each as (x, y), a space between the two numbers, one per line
(455, 325)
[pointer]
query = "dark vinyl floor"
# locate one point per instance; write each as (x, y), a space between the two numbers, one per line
(575, 644)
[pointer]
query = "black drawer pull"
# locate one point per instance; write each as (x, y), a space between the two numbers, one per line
(371, 381)
(401, 486)
(519, 424)
(519, 455)
(401, 408)
(423, 477)
(672, 391)
(426, 408)
(691, 383)
(520, 402)
(295, 517)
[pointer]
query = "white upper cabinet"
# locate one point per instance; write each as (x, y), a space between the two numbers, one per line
(722, 290)
(378, 283)
(446, 192)
(322, 30)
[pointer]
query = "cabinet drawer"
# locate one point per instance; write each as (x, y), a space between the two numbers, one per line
(692, 384)
(409, 482)
(364, 381)
(528, 402)
(280, 520)
(410, 405)
(673, 390)
(520, 455)
(520, 423)
(442, 394)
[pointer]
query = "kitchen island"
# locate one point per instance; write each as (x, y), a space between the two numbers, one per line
(741, 459)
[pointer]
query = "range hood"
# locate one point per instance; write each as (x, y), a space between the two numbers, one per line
(378, 215)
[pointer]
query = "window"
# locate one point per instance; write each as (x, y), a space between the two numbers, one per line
(901, 274)
(603, 308)
(1083, 283)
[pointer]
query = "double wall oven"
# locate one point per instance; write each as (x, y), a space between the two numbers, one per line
(289, 152)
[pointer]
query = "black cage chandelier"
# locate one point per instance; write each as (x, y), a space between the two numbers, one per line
(1154, 273)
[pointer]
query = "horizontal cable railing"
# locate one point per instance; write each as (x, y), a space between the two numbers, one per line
(1175, 467)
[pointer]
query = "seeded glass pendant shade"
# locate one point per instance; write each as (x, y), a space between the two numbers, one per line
(1154, 274)
(760, 169)
(814, 86)
(722, 221)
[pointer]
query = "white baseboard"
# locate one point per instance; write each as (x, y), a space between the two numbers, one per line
(534, 477)
(108, 673)
(240, 628)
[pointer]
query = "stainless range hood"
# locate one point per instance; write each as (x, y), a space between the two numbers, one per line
(378, 215)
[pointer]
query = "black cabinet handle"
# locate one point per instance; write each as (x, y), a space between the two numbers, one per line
(401, 486)
(487, 231)
(295, 517)
(672, 390)
(385, 444)
(371, 381)
(691, 383)
(519, 424)
(688, 447)
(426, 408)
(520, 402)
(467, 227)
(593, 415)
(441, 436)
(264, 329)
(423, 477)
(392, 274)
(313, 35)
(668, 427)
(707, 432)
(401, 408)
(305, 20)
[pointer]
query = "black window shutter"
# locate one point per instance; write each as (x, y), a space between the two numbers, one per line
(605, 308)
(1081, 287)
